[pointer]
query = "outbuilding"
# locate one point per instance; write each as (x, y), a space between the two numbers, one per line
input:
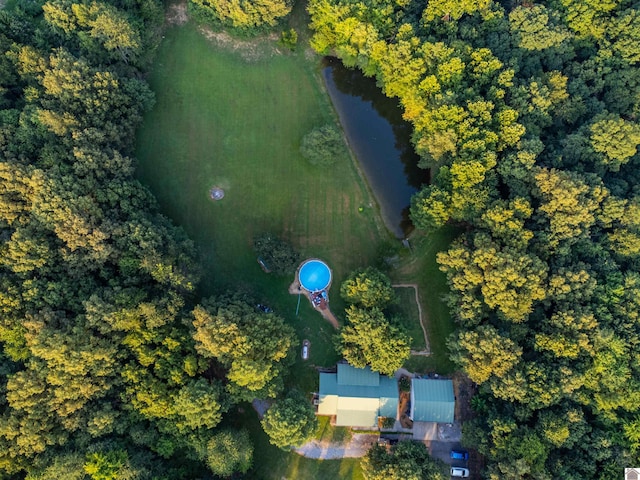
(432, 400)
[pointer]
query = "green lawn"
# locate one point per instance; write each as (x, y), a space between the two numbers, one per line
(220, 120)
(407, 314)
(420, 267)
(327, 432)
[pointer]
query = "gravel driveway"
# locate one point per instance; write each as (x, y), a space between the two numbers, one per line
(356, 447)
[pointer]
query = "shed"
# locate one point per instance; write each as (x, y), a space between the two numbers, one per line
(432, 400)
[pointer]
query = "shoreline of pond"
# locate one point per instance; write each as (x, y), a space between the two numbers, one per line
(390, 186)
(383, 229)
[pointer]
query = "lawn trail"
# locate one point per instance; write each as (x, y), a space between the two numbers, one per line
(421, 314)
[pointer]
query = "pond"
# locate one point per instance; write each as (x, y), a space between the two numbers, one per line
(380, 140)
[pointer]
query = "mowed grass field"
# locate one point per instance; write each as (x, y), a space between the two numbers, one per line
(405, 310)
(420, 267)
(224, 121)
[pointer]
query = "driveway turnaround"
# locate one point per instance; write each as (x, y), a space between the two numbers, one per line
(358, 446)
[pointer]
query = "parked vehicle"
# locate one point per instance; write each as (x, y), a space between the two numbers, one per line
(459, 455)
(305, 349)
(459, 472)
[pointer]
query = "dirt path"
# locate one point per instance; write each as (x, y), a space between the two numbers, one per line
(358, 446)
(427, 350)
(329, 317)
(327, 314)
(176, 14)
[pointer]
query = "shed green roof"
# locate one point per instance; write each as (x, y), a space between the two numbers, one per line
(433, 400)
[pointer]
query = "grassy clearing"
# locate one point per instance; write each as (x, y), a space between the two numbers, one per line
(407, 314)
(221, 120)
(236, 121)
(420, 267)
(328, 433)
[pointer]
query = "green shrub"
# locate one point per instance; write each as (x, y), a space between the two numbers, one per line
(387, 423)
(405, 384)
(289, 39)
(278, 256)
(324, 146)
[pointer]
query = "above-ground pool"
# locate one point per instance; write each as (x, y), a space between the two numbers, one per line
(314, 275)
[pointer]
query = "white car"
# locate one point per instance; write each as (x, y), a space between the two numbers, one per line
(459, 472)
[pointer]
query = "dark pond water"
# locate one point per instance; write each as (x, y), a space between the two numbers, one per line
(380, 139)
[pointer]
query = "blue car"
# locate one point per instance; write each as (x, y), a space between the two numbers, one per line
(459, 455)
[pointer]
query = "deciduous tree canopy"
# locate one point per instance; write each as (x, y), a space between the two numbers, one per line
(244, 15)
(252, 345)
(406, 461)
(370, 339)
(528, 114)
(368, 288)
(290, 422)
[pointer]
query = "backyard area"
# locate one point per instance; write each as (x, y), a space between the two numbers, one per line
(408, 313)
(420, 266)
(226, 120)
(221, 120)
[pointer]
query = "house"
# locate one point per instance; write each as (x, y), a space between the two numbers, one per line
(357, 396)
(432, 400)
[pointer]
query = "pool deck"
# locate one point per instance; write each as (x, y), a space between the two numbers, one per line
(323, 307)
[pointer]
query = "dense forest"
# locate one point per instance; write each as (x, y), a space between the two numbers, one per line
(528, 114)
(110, 366)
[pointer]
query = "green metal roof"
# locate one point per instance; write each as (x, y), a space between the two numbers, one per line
(433, 400)
(328, 384)
(348, 375)
(388, 407)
